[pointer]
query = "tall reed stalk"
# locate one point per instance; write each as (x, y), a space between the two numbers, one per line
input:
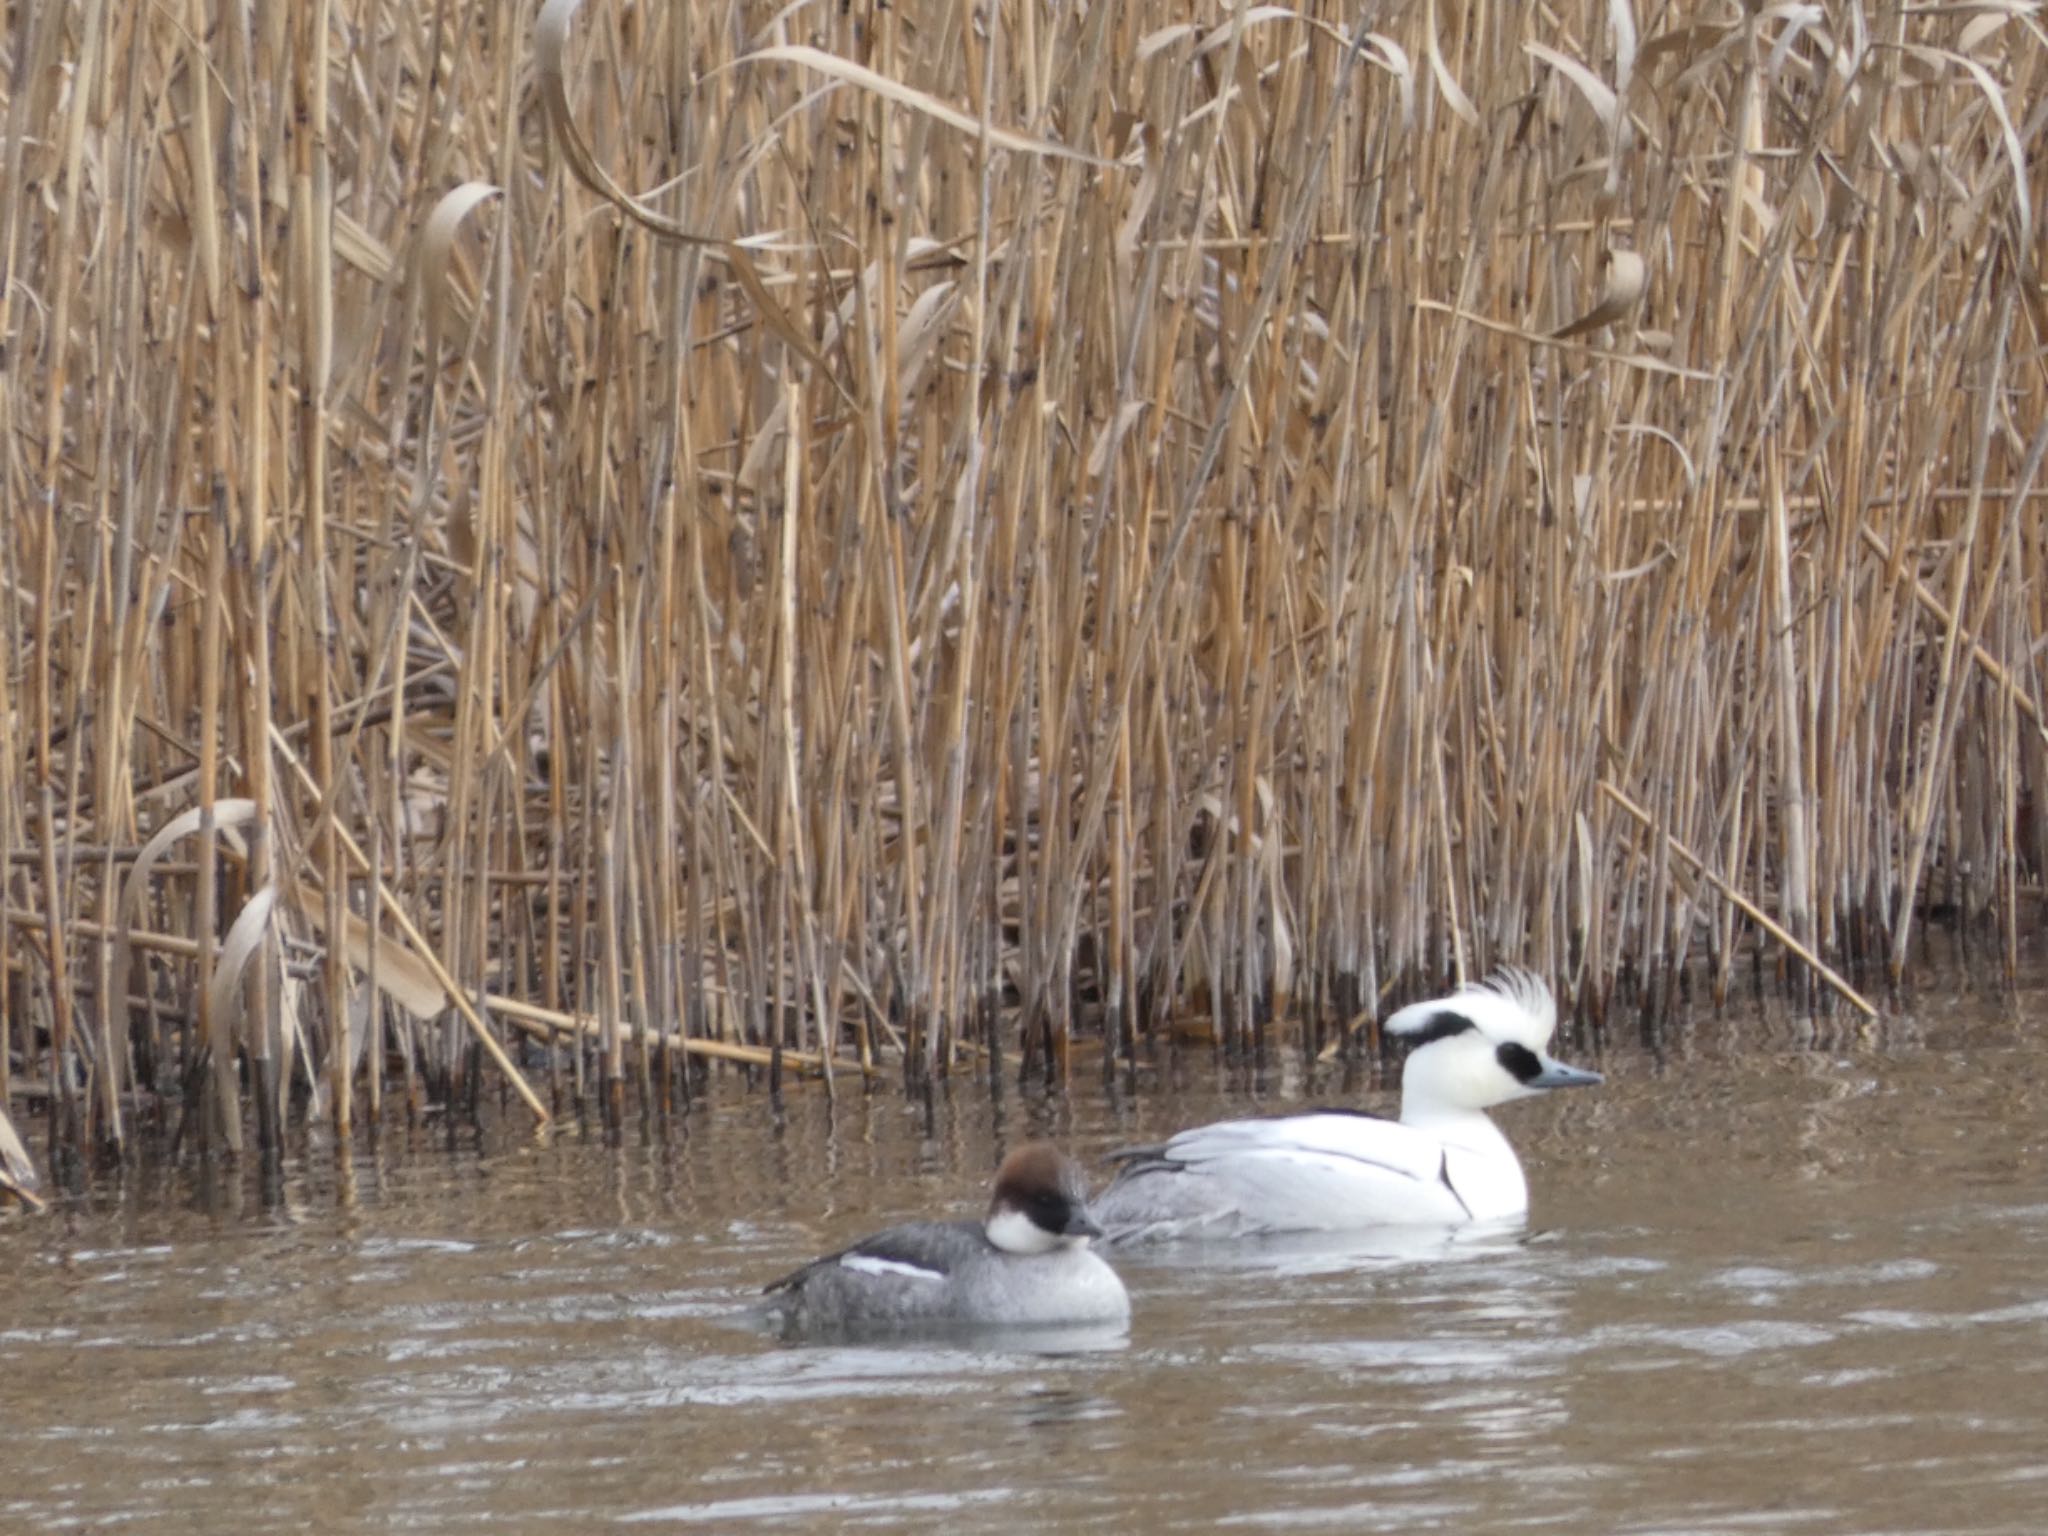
(547, 556)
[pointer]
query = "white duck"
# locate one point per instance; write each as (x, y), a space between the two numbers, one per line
(1443, 1163)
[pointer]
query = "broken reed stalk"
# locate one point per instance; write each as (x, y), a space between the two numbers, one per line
(937, 532)
(1755, 913)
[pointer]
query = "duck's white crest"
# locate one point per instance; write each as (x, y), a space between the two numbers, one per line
(1512, 1004)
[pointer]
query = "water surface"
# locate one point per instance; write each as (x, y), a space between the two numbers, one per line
(1779, 1277)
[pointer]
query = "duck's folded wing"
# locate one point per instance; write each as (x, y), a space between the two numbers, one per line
(1292, 1173)
(1335, 1137)
(917, 1250)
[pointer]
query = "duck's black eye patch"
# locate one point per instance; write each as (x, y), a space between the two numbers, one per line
(1440, 1025)
(1519, 1062)
(1049, 1209)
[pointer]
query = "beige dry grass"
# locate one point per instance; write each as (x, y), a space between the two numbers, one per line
(833, 538)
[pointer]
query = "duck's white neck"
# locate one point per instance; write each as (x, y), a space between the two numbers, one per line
(1479, 1163)
(1472, 1129)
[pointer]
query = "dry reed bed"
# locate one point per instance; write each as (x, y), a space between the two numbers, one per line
(1021, 511)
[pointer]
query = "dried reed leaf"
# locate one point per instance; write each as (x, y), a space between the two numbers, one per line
(18, 1178)
(550, 47)
(786, 330)
(363, 250)
(1624, 278)
(1279, 924)
(226, 814)
(295, 1054)
(1621, 18)
(1850, 57)
(1155, 42)
(916, 333)
(1598, 93)
(859, 75)
(1582, 847)
(1393, 58)
(1107, 441)
(1677, 446)
(437, 247)
(1690, 44)
(1986, 24)
(1797, 18)
(1210, 39)
(244, 941)
(1219, 36)
(401, 975)
(363, 1023)
(2009, 137)
(1446, 83)
(919, 329)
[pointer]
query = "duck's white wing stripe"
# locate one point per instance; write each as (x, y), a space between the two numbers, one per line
(868, 1264)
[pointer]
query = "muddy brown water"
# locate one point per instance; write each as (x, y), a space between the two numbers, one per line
(1779, 1277)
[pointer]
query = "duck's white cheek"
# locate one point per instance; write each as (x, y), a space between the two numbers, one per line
(1014, 1232)
(1478, 1080)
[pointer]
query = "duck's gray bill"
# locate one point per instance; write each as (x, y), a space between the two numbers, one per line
(1556, 1074)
